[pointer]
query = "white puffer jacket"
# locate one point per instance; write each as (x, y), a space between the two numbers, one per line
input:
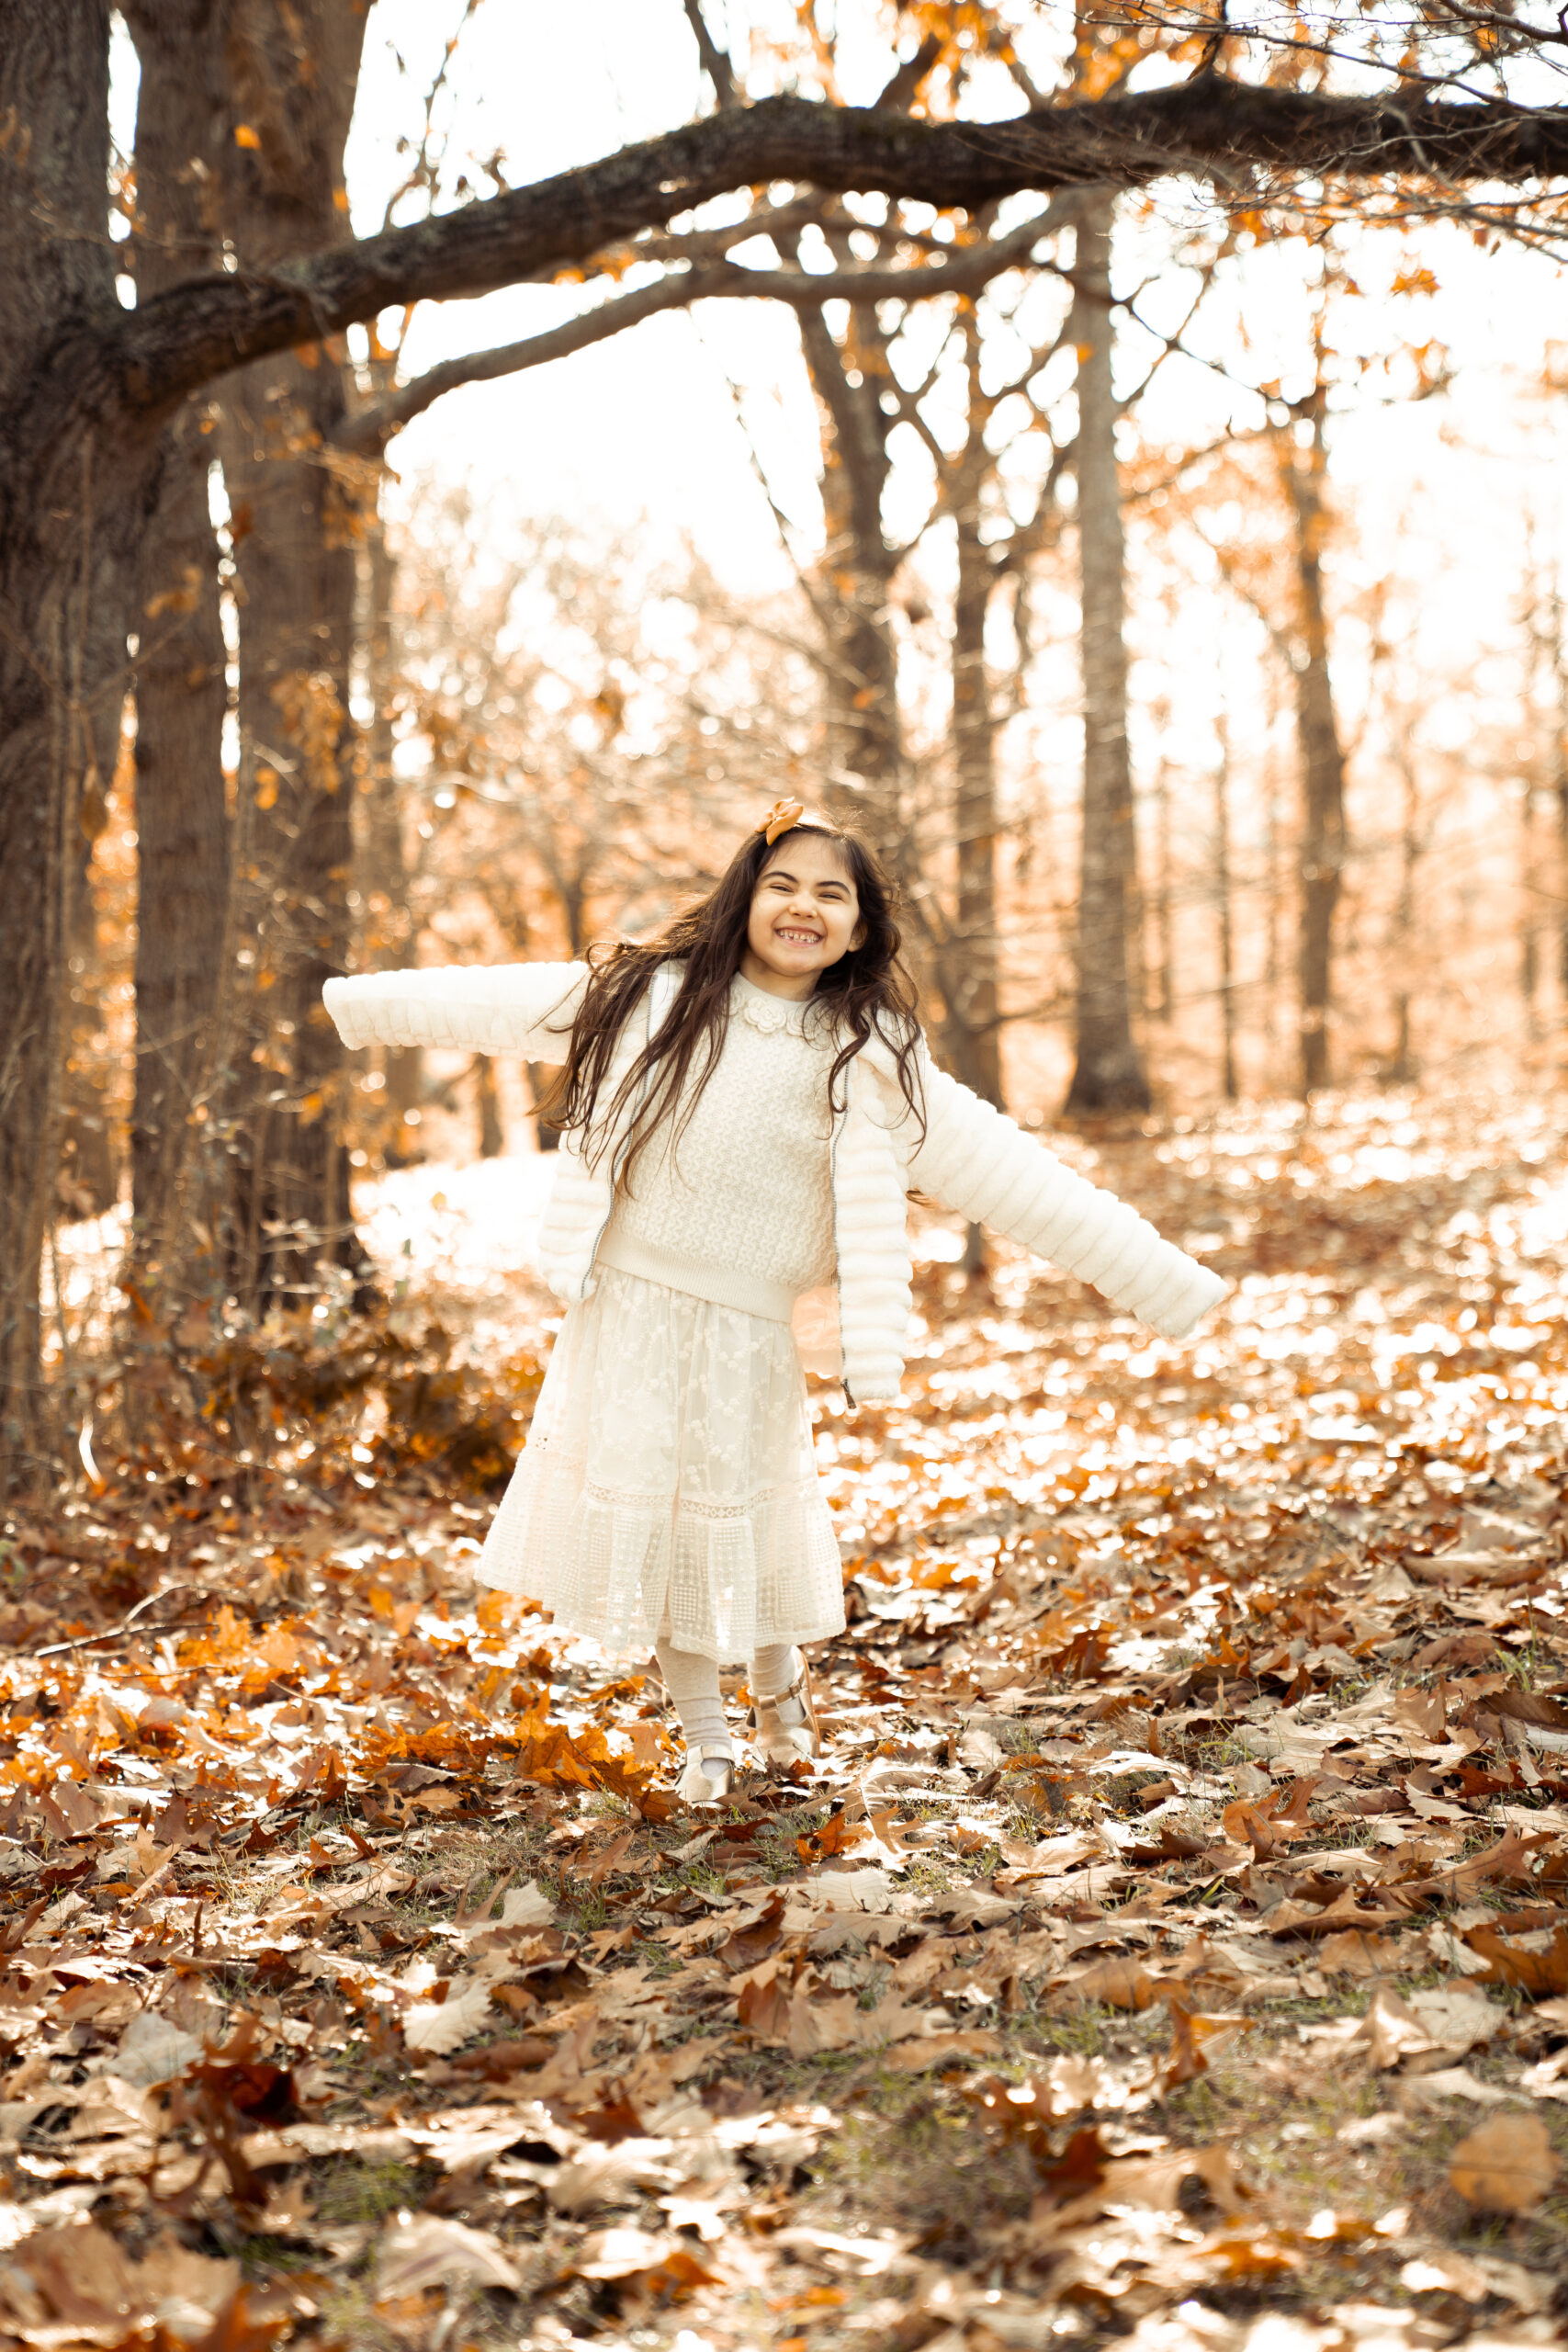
(973, 1160)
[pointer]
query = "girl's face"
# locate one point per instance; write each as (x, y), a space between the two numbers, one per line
(804, 915)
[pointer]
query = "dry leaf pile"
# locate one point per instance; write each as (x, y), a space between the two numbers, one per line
(1173, 1947)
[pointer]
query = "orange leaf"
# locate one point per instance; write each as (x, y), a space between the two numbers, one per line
(1506, 2165)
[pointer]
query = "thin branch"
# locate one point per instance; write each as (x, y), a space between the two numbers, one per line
(715, 64)
(420, 173)
(1170, 344)
(900, 91)
(819, 656)
(764, 220)
(964, 272)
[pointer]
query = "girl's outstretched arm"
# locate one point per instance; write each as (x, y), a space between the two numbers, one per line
(976, 1160)
(526, 1009)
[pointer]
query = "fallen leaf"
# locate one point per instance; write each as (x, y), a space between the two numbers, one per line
(419, 2250)
(1190, 2032)
(663, 2265)
(1539, 1974)
(1506, 2165)
(1421, 1712)
(526, 1906)
(927, 2050)
(1459, 2021)
(1476, 2278)
(151, 2050)
(1118, 1984)
(437, 2028)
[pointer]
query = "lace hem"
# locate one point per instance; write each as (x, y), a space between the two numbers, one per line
(728, 1579)
(670, 1478)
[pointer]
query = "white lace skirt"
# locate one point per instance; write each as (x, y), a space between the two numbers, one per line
(669, 1477)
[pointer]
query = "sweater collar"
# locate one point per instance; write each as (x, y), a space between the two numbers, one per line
(760, 1009)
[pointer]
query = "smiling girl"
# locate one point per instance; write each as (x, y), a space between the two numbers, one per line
(745, 1103)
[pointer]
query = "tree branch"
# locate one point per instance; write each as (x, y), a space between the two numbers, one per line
(151, 357)
(963, 272)
(715, 64)
(901, 89)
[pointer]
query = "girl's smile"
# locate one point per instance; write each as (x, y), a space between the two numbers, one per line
(804, 916)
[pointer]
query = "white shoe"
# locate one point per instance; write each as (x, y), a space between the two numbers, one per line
(708, 1777)
(785, 1729)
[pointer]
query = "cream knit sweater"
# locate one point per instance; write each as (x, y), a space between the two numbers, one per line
(740, 1209)
(973, 1159)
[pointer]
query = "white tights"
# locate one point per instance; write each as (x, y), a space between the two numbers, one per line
(692, 1684)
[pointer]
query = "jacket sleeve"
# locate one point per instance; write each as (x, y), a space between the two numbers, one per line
(974, 1160)
(526, 1009)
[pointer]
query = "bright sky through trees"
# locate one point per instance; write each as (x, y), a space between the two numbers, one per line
(1444, 493)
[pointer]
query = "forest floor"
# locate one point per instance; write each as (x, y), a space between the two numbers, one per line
(1172, 1947)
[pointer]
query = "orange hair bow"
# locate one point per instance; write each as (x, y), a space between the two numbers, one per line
(779, 818)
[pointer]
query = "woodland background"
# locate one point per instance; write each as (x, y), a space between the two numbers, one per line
(377, 713)
(457, 466)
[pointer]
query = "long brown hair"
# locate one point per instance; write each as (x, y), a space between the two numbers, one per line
(868, 989)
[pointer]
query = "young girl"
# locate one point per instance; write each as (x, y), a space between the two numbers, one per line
(746, 1101)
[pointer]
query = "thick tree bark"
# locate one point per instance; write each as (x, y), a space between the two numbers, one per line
(182, 813)
(294, 75)
(1322, 759)
(288, 1199)
(1108, 1075)
(69, 528)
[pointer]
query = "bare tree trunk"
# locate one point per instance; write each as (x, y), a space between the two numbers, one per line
(969, 983)
(1557, 648)
(971, 998)
(1322, 759)
(1273, 909)
(182, 814)
(1163, 1005)
(73, 504)
(289, 1209)
(90, 1154)
(486, 1102)
(296, 526)
(1223, 898)
(866, 749)
(1401, 1063)
(1109, 1075)
(387, 929)
(1529, 915)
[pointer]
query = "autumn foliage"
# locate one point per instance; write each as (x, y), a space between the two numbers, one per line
(1176, 1933)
